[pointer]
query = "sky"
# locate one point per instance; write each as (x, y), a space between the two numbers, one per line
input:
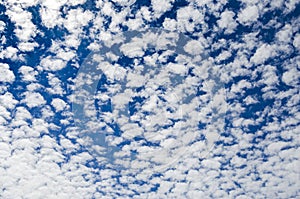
(149, 99)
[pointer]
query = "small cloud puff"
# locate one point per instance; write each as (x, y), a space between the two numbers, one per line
(58, 104)
(248, 15)
(227, 22)
(28, 73)
(33, 99)
(6, 75)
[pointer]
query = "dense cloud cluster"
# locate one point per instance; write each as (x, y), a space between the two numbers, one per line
(149, 99)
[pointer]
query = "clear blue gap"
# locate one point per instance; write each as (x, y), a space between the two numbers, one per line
(134, 104)
(125, 61)
(233, 5)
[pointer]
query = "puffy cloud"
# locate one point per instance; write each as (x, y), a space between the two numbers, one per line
(164, 134)
(285, 34)
(227, 22)
(170, 24)
(25, 29)
(194, 47)
(296, 41)
(52, 64)
(58, 104)
(50, 13)
(7, 100)
(9, 53)
(263, 53)
(188, 18)
(291, 77)
(2, 26)
(33, 99)
(27, 46)
(6, 75)
(28, 73)
(161, 7)
(248, 15)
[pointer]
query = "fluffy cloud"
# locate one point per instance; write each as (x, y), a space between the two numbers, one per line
(33, 99)
(227, 22)
(58, 104)
(6, 75)
(164, 115)
(291, 77)
(28, 73)
(263, 53)
(248, 15)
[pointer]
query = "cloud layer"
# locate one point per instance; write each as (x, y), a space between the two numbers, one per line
(158, 99)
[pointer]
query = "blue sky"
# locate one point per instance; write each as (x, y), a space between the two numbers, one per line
(149, 99)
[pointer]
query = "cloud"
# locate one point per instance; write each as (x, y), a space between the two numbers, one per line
(58, 104)
(291, 77)
(296, 41)
(161, 7)
(33, 99)
(227, 22)
(188, 18)
(194, 47)
(28, 73)
(263, 53)
(6, 75)
(2, 26)
(51, 64)
(9, 53)
(197, 115)
(248, 15)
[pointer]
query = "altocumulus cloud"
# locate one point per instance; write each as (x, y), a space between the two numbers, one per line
(149, 99)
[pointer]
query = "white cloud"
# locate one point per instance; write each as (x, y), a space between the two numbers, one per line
(248, 15)
(170, 24)
(7, 100)
(50, 13)
(290, 5)
(161, 7)
(6, 75)
(28, 73)
(291, 77)
(276, 147)
(34, 86)
(25, 29)
(296, 41)
(9, 53)
(194, 47)
(58, 104)
(27, 46)
(76, 2)
(5, 113)
(179, 68)
(2, 26)
(227, 22)
(55, 83)
(285, 34)
(188, 18)
(33, 99)
(77, 19)
(133, 49)
(52, 64)
(263, 53)
(124, 2)
(223, 56)
(23, 3)
(135, 80)
(34, 163)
